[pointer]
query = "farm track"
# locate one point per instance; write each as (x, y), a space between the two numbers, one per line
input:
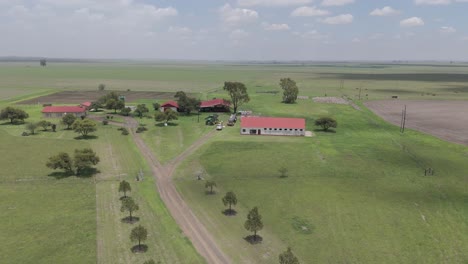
(192, 227)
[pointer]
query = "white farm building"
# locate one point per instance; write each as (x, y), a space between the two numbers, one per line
(272, 126)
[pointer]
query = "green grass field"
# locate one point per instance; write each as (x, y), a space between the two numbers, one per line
(355, 196)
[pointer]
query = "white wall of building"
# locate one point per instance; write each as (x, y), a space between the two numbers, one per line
(273, 131)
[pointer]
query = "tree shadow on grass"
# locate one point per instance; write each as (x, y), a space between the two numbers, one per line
(15, 123)
(58, 175)
(84, 173)
(254, 239)
(210, 192)
(325, 131)
(168, 124)
(139, 249)
(88, 137)
(129, 220)
(229, 212)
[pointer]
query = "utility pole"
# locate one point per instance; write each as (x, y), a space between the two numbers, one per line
(403, 120)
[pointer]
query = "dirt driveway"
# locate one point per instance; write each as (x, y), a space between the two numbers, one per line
(447, 120)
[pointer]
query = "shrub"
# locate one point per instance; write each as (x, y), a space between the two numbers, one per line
(105, 122)
(25, 134)
(141, 129)
(124, 131)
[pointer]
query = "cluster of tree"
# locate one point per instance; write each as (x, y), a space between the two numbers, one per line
(141, 110)
(84, 127)
(109, 101)
(238, 93)
(43, 123)
(290, 90)
(326, 123)
(13, 114)
(187, 104)
(83, 160)
(166, 116)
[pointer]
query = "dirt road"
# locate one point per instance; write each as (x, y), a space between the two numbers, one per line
(180, 211)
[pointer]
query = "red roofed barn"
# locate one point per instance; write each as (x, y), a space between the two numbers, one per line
(215, 105)
(173, 105)
(272, 126)
(59, 111)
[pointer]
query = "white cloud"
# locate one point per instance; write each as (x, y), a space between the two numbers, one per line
(236, 16)
(336, 2)
(180, 30)
(306, 11)
(447, 30)
(356, 40)
(432, 2)
(275, 27)
(385, 11)
(238, 34)
(412, 22)
(250, 3)
(338, 20)
(312, 34)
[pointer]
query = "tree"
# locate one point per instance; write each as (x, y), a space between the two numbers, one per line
(43, 62)
(115, 105)
(156, 106)
(95, 106)
(84, 159)
(288, 257)
(31, 127)
(187, 104)
(283, 172)
(101, 87)
(139, 234)
(68, 120)
(210, 184)
(44, 124)
(84, 127)
(238, 93)
(129, 205)
(326, 123)
(231, 199)
(290, 90)
(166, 116)
(103, 99)
(13, 114)
(141, 109)
(126, 111)
(54, 127)
(61, 161)
(125, 187)
(254, 222)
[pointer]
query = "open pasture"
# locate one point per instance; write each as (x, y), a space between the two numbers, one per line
(447, 120)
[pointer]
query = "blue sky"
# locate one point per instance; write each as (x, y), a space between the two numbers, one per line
(236, 29)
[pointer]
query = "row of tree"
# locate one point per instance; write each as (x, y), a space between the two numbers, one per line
(81, 163)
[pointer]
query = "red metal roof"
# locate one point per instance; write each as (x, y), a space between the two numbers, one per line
(272, 122)
(214, 102)
(87, 104)
(170, 104)
(63, 109)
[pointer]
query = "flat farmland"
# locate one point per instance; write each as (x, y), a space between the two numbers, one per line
(444, 119)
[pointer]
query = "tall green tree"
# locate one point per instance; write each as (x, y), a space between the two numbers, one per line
(254, 222)
(13, 114)
(111, 95)
(230, 199)
(288, 257)
(326, 123)
(129, 205)
(84, 127)
(166, 116)
(43, 62)
(139, 234)
(125, 187)
(156, 106)
(290, 90)
(210, 184)
(61, 161)
(187, 104)
(68, 120)
(115, 105)
(101, 87)
(84, 159)
(238, 93)
(44, 124)
(141, 109)
(31, 127)
(126, 111)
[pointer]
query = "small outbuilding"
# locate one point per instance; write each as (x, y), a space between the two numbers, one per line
(215, 105)
(173, 105)
(272, 126)
(86, 105)
(59, 111)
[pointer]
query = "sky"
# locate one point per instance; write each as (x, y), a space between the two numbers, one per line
(236, 29)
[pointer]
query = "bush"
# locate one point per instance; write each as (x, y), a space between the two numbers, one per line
(124, 131)
(25, 134)
(326, 123)
(105, 122)
(141, 129)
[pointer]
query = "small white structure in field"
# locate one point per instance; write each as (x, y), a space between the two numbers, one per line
(272, 126)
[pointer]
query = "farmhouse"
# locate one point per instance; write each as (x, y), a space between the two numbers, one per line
(169, 105)
(215, 105)
(272, 126)
(59, 111)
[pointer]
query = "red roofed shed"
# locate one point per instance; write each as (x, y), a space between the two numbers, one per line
(169, 105)
(59, 111)
(274, 126)
(215, 105)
